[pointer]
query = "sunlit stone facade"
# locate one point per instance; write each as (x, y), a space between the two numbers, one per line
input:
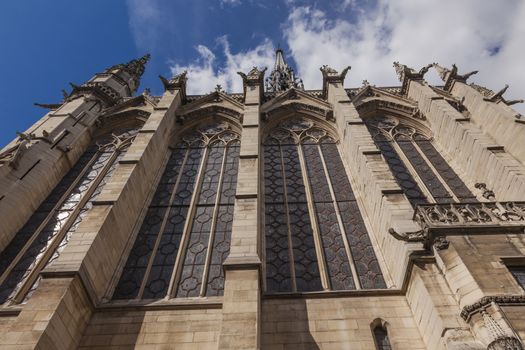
(271, 218)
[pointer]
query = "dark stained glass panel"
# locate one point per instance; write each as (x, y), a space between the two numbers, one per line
(452, 179)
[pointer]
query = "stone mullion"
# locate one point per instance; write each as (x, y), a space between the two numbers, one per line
(46, 221)
(413, 172)
(162, 226)
(287, 210)
(211, 236)
(186, 231)
(434, 170)
(323, 269)
(351, 261)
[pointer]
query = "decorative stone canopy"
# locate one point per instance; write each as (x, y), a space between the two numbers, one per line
(282, 76)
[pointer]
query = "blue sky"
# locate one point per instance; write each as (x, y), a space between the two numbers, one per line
(46, 44)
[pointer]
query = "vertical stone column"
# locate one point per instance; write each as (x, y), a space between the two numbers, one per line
(242, 291)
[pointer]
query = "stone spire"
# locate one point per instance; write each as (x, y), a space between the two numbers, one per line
(135, 67)
(282, 76)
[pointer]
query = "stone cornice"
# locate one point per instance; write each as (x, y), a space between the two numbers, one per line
(468, 311)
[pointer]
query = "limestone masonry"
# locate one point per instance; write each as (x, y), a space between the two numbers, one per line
(272, 218)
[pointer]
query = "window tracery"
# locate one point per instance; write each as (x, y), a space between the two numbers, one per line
(420, 170)
(314, 233)
(185, 236)
(47, 232)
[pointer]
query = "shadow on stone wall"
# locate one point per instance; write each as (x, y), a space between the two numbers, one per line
(285, 325)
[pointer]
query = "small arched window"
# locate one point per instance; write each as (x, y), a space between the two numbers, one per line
(419, 169)
(185, 236)
(381, 339)
(41, 240)
(315, 236)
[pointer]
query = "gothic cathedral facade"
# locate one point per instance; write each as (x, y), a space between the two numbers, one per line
(272, 218)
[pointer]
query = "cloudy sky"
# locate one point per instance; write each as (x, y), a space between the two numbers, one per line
(48, 44)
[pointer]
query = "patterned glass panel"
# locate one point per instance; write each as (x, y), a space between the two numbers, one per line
(381, 339)
(365, 261)
(50, 228)
(151, 266)
(294, 217)
(197, 249)
(519, 274)
(388, 133)
(453, 180)
(426, 174)
(337, 262)
(221, 242)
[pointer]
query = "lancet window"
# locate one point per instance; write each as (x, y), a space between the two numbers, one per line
(315, 236)
(47, 232)
(185, 236)
(381, 338)
(419, 169)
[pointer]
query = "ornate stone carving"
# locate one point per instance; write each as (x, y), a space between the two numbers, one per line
(505, 343)
(486, 193)
(469, 310)
(330, 75)
(254, 77)
(438, 220)
(135, 67)
(406, 74)
(282, 77)
(414, 236)
(449, 76)
(177, 82)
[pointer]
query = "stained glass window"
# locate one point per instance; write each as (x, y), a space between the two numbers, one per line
(381, 338)
(45, 235)
(315, 236)
(419, 169)
(185, 236)
(518, 271)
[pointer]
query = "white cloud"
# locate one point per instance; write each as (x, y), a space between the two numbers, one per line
(415, 33)
(144, 21)
(230, 2)
(204, 74)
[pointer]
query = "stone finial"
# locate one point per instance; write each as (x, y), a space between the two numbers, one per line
(176, 82)
(254, 77)
(330, 75)
(449, 76)
(406, 74)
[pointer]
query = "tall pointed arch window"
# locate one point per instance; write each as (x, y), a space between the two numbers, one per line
(41, 240)
(380, 333)
(315, 237)
(419, 169)
(185, 236)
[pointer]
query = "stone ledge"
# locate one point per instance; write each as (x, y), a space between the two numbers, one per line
(246, 196)
(249, 156)
(170, 304)
(355, 122)
(242, 262)
(102, 202)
